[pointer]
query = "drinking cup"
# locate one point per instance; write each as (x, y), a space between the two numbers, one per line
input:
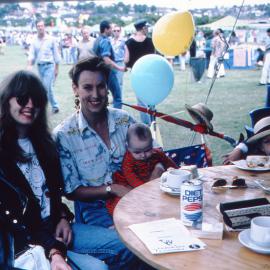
(174, 178)
(260, 231)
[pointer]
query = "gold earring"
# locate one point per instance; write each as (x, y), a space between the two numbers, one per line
(77, 102)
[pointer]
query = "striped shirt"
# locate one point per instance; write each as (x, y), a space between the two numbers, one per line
(85, 158)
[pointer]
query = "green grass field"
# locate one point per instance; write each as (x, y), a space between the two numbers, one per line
(231, 99)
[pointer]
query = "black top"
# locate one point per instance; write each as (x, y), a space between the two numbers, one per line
(192, 49)
(139, 49)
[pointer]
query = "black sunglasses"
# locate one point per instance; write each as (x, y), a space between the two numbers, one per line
(236, 183)
(23, 99)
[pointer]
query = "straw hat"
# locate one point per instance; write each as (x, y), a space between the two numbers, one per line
(201, 114)
(261, 130)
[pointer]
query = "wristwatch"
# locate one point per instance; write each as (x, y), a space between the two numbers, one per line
(108, 190)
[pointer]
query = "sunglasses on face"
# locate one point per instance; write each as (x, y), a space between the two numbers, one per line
(116, 31)
(23, 99)
(236, 183)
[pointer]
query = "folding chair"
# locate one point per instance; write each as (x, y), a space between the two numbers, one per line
(191, 155)
(267, 101)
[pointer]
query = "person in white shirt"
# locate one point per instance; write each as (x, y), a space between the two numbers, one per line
(44, 52)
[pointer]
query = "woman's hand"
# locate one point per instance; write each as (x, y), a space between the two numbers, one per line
(63, 231)
(59, 263)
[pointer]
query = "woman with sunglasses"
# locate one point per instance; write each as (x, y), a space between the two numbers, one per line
(29, 163)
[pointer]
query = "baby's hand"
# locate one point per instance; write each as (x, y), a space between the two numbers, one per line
(157, 172)
(159, 166)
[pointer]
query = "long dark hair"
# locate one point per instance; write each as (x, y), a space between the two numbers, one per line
(18, 84)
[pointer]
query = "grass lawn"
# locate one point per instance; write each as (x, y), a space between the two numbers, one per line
(231, 99)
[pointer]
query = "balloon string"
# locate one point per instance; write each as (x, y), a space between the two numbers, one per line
(173, 113)
(221, 59)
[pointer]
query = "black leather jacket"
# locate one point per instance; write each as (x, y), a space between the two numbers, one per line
(20, 212)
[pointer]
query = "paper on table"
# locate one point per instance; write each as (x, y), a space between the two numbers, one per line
(166, 236)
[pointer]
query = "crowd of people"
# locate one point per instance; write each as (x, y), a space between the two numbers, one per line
(93, 158)
(209, 49)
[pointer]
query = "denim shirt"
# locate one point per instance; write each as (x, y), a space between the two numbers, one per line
(44, 51)
(103, 47)
(85, 158)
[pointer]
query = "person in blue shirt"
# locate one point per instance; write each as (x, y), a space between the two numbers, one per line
(92, 144)
(103, 48)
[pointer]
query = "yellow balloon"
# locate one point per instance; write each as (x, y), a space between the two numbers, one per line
(173, 33)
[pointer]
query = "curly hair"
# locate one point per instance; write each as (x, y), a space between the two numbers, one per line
(91, 64)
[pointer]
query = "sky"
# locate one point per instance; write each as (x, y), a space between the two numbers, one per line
(182, 4)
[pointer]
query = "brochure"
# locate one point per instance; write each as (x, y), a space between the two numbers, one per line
(166, 236)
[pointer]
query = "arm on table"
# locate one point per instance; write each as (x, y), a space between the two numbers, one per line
(235, 154)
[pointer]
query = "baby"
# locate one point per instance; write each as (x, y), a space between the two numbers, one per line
(141, 162)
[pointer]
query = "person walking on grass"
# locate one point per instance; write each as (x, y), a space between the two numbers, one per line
(44, 52)
(265, 77)
(103, 48)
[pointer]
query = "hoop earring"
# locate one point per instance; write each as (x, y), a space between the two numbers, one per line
(77, 103)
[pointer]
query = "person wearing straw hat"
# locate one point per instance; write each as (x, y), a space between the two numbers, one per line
(261, 138)
(201, 114)
(258, 144)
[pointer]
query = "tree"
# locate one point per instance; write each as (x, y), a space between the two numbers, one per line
(140, 8)
(153, 9)
(201, 21)
(51, 6)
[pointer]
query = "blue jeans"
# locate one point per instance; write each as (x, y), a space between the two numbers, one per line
(96, 239)
(67, 55)
(120, 75)
(84, 261)
(46, 73)
(115, 89)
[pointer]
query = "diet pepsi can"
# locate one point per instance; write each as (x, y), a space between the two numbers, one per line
(191, 203)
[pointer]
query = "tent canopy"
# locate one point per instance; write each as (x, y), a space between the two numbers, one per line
(226, 23)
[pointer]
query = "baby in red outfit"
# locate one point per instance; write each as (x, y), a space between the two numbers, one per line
(141, 162)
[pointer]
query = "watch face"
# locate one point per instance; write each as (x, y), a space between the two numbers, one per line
(108, 189)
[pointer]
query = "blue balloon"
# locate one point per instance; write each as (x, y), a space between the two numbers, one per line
(152, 79)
